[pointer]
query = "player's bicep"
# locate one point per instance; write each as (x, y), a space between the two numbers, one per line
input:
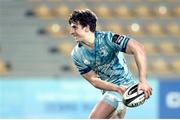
(133, 46)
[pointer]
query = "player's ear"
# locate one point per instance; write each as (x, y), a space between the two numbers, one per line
(87, 28)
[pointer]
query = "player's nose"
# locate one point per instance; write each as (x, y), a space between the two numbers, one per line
(71, 31)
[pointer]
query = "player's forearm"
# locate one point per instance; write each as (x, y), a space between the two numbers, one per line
(140, 58)
(139, 53)
(98, 83)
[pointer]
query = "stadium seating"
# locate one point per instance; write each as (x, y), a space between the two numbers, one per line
(65, 48)
(115, 27)
(168, 48)
(162, 12)
(176, 66)
(173, 29)
(32, 28)
(122, 11)
(160, 66)
(176, 11)
(61, 12)
(42, 12)
(103, 12)
(154, 29)
(151, 48)
(55, 30)
(135, 29)
(3, 68)
(143, 11)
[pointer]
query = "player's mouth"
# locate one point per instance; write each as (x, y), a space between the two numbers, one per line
(76, 37)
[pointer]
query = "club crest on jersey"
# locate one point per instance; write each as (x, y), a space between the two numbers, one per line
(103, 51)
(118, 38)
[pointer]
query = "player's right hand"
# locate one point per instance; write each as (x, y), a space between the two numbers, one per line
(121, 90)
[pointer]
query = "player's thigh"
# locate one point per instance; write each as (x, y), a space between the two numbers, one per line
(118, 114)
(101, 110)
(107, 105)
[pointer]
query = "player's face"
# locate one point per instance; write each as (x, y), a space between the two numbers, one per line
(77, 31)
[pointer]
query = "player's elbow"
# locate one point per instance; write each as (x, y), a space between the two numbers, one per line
(94, 83)
(142, 50)
(138, 48)
(91, 80)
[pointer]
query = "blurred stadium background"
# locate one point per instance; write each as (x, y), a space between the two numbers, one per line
(38, 78)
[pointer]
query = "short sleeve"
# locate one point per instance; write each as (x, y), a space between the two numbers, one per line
(83, 68)
(118, 42)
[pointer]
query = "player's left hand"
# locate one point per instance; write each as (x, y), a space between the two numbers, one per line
(146, 88)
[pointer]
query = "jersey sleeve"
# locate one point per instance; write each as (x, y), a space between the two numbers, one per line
(82, 68)
(117, 42)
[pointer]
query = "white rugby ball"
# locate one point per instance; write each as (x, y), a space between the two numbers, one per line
(131, 98)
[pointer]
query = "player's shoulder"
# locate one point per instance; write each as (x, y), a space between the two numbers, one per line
(104, 36)
(104, 33)
(74, 51)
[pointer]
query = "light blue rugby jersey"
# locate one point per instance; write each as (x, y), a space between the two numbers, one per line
(106, 58)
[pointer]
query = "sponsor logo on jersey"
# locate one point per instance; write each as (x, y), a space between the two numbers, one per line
(118, 38)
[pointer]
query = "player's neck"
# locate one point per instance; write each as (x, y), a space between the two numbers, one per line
(89, 40)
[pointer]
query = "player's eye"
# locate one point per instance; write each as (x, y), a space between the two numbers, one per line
(74, 27)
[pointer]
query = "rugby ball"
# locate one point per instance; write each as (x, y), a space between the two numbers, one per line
(132, 98)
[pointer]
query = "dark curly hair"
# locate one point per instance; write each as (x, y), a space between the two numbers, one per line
(84, 17)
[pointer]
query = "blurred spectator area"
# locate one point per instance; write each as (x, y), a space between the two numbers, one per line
(35, 40)
(4, 67)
